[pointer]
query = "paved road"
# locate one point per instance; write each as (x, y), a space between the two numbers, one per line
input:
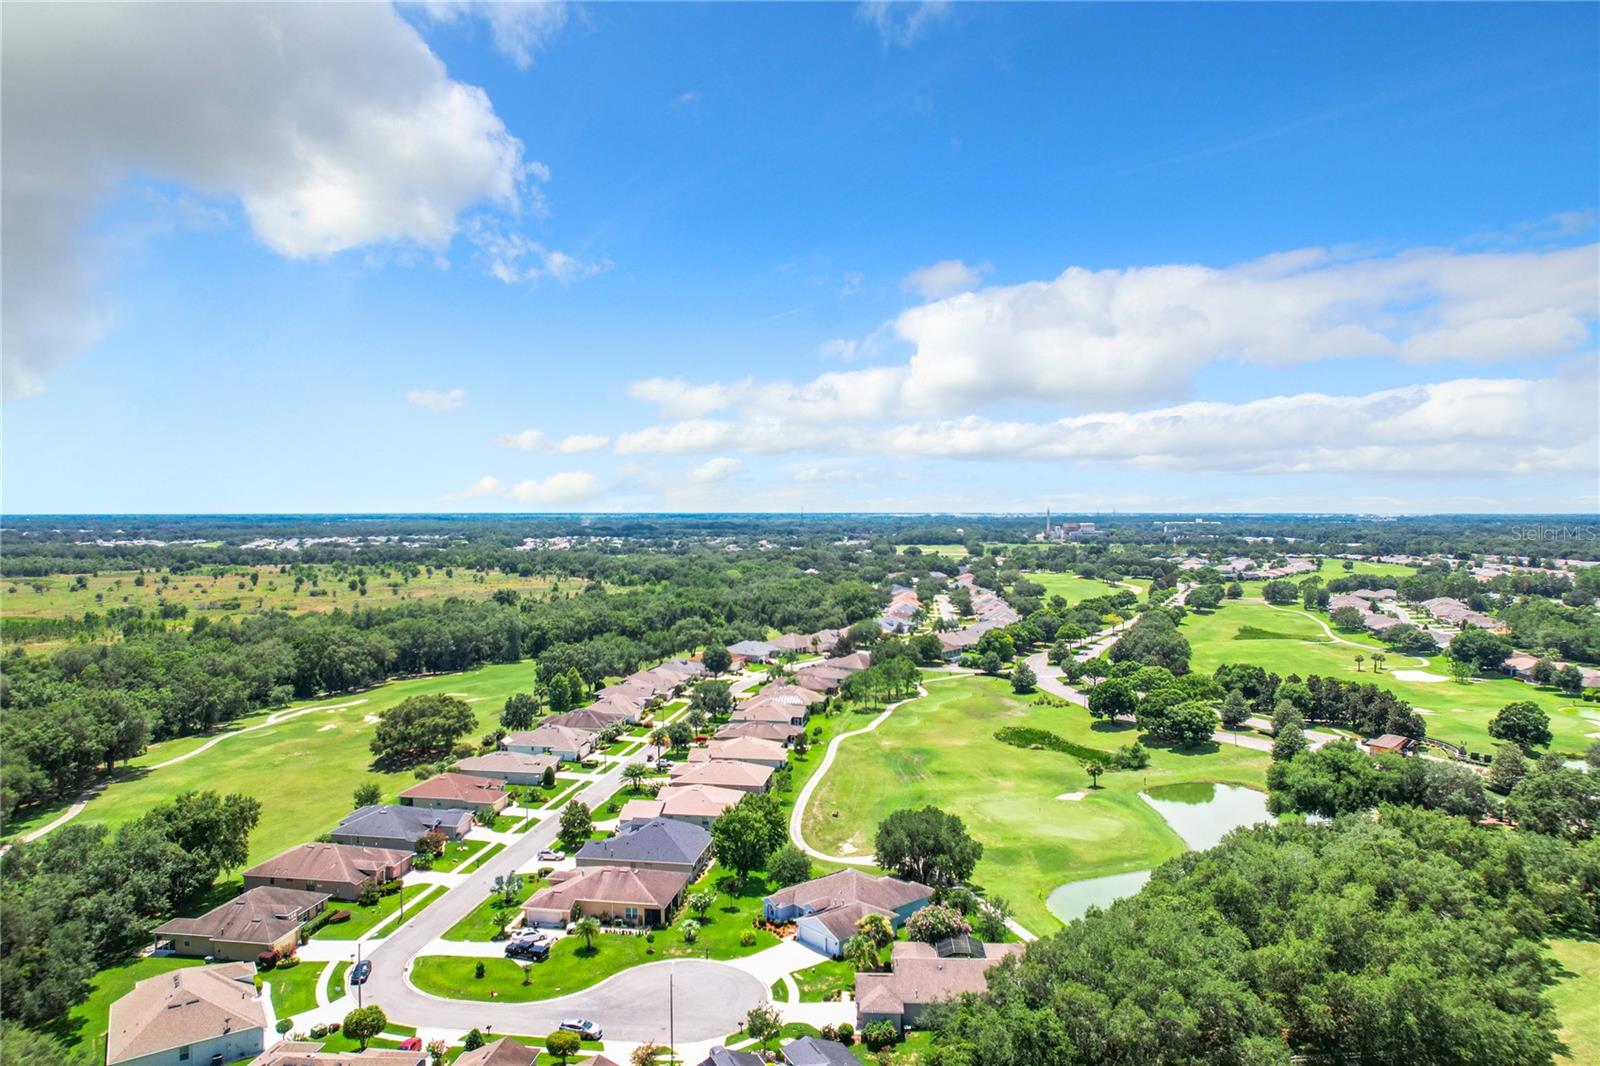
(710, 998)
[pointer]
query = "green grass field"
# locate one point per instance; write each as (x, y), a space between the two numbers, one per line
(363, 918)
(945, 551)
(1576, 998)
(490, 916)
(1289, 641)
(304, 770)
(84, 1026)
(1071, 586)
(214, 596)
(294, 990)
(941, 750)
(825, 980)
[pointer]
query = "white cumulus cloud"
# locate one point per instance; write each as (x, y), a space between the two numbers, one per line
(332, 126)
(944, 278)
(437, 402)
(713, 471)
(533, 440)
(567, 487)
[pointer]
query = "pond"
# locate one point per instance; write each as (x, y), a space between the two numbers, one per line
(1201, 813)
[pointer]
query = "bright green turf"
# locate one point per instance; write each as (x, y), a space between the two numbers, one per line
(1577, 999)
(363, 918)
(85, 1024)
(825, 980)
(489, 917)
(303, 771)
(1461, 713)
(945, 551)
(1073, 587)
(294, 990)
(456, 853)
(941, 750)
(571, 968)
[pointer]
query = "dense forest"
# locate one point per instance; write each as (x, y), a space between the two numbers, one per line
(1413, 937)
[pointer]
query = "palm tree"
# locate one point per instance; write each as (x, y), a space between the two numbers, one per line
(587, 929)
(861, 953)
(634, 773)
(690, 930)
(1359, 660)
(660, 739)
(1378, 658)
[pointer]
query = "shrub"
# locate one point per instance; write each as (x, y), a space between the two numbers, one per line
(935, 922)
(1029, 737)
(284, 1025)
(478, 970)
(747, 938)
(879, 1035)
(338, 916)
(267, 959)
(847, 1033)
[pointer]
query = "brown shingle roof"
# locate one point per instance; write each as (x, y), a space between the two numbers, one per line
(259, 916)
(308, 1053)
(723, 773)
(849, 886)
(332, 863)
(466, 788)
(183, 1007)
(608, 884)
(919, 976)
(503, 1052)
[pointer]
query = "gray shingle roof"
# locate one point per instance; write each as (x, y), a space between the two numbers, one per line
(813, 1051)
(400, 823)
(658, 840)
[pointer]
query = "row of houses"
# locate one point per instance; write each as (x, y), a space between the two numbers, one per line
(1520, 665)
(1241, 568)
(1453, 612)
(1366, 602)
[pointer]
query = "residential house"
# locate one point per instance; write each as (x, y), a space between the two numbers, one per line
(199, 1015)
(919, 978)
(613, 894)
(825, 909)
(340, 870)
(502, 1052)
(1390, 744)
(753, 651)
(657, 844)
(511, 767)
(593, 718)
(815, 1051)
(262, 919)
(798, 643)
(457, 792)
(721, 1056)
(310, 1053)
(775, 711)
(570, 745)
(781, 732)
(696, 804)
(743, 749)
(856, 660)
(743, 776)
(788, 693)
(390, 825)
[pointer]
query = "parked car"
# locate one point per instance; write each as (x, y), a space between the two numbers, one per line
(551, 855)
(528, 948)
(665, 764)
(584, 1028)
(411, 1043)
(362, 971)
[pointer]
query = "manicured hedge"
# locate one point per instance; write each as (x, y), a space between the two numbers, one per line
(1029, 737)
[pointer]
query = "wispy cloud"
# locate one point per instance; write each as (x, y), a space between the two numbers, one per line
(902, 22)
(944, 278)
(568, 487)
(437, 402)
(533, 440)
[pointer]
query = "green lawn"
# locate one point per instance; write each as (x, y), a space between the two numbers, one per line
(336, 985)
(825, 981)
(363, 918)
(489, 917)
(946, 551)
(571, 967)
(304, 770)
(914, 1049)
(941, 750)
(294, 989)
(457, 853)
(85, 1024)
(1289, 641)
(1577, 999)
(1071, 586)
(482, 857)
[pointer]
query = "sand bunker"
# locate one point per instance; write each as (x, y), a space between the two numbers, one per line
(372, 718)
(1072, 795)
(324, 729)
(1423, 676)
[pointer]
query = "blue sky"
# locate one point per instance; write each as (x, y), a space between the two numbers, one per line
(782, 257)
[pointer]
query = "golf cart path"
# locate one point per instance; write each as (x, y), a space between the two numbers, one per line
(271, 720)
(1340, 640)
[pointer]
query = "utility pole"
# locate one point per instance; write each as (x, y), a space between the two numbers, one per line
(672, 1028)
(362, 987)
